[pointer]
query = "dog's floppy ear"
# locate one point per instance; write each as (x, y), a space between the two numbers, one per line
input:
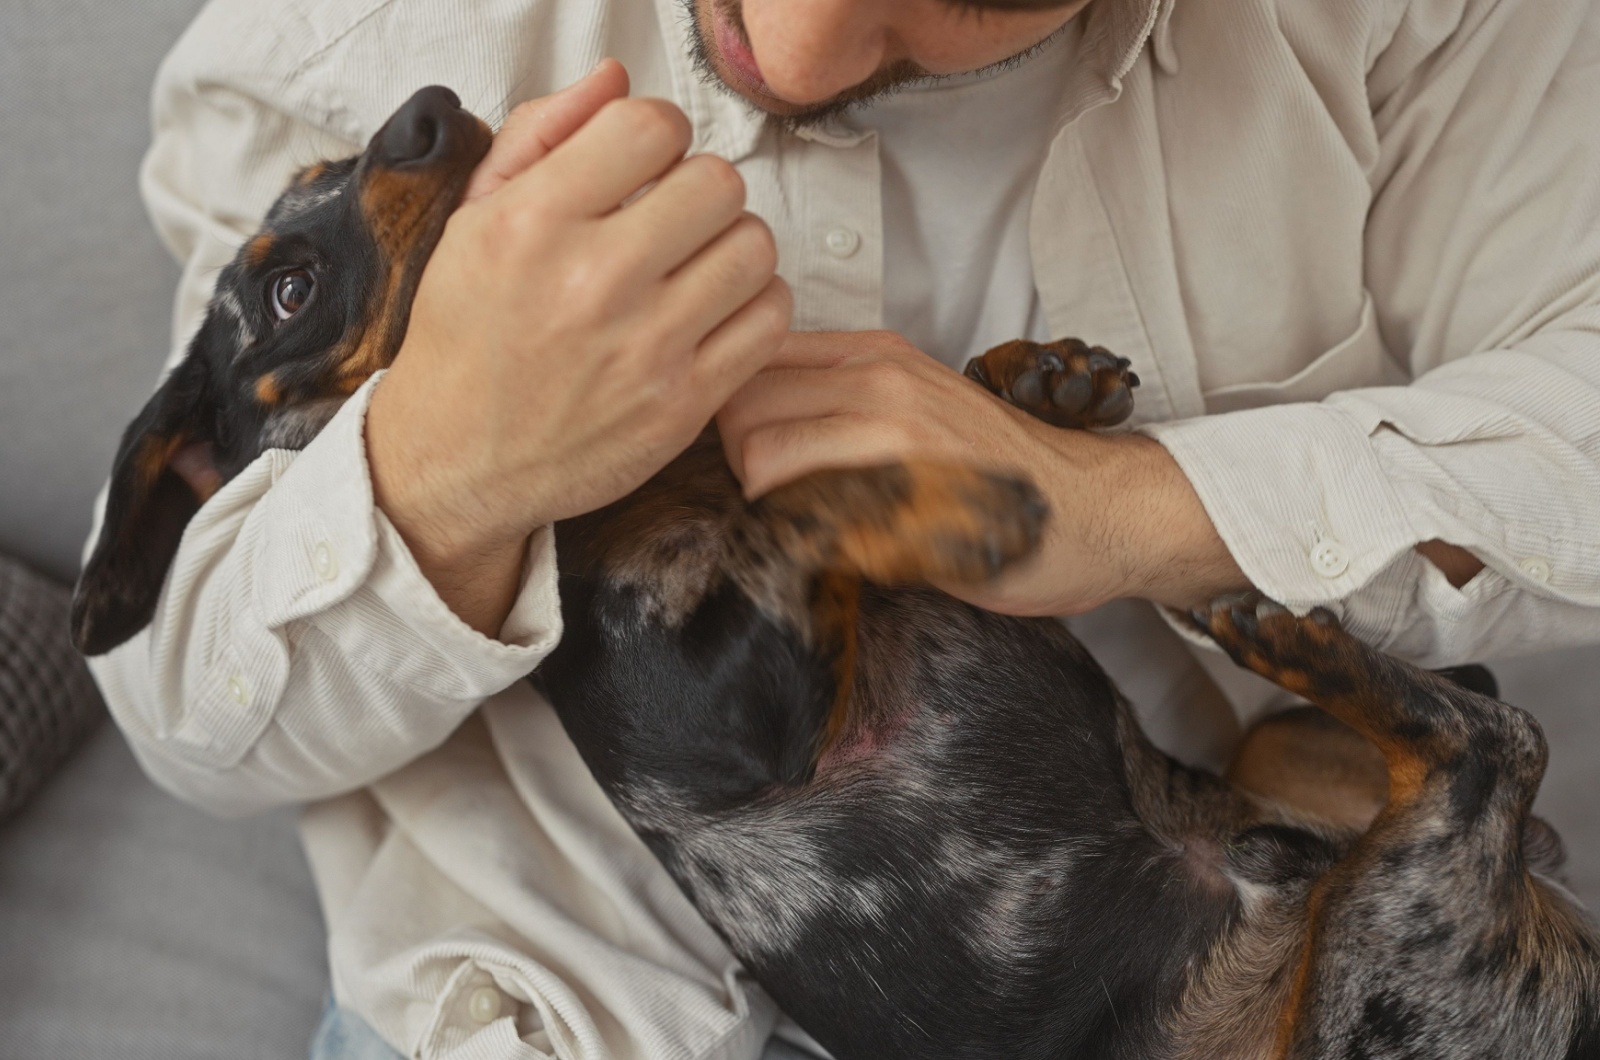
(163, 473)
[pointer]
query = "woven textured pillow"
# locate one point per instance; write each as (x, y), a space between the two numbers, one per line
(48, 701)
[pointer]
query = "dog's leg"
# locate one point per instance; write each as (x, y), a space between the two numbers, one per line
(1066, 383)
(1308, 760)
(1430, 939)
(804, 549)
(905, 523)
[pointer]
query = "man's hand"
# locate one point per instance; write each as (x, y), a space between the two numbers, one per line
(563, 346)
(1124, 520)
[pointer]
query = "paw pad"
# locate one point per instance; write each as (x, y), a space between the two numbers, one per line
(1066, 383)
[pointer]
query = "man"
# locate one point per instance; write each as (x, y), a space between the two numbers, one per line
(1352, 248)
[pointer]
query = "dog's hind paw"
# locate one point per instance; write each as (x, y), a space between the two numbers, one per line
(1303, 653)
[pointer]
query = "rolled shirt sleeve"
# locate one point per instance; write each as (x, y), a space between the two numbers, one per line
(296, 650)
(1483, 266)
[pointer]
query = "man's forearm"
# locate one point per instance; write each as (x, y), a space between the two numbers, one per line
(477, 579)
(1156, 530)
(1173, 553)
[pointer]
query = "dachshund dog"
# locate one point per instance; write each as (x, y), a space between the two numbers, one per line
(929, 831)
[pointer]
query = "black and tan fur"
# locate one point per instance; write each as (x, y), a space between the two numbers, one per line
(928, 830)
(361, 229)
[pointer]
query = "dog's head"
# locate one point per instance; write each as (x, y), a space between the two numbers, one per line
(308, 310)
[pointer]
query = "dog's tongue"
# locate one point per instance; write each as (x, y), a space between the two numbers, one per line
(194, 464)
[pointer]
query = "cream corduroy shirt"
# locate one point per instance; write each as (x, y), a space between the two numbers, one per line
(1351, 246)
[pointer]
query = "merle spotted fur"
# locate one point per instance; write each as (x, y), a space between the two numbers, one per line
(929, 831)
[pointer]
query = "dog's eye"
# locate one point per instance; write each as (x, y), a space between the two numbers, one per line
(290, 291)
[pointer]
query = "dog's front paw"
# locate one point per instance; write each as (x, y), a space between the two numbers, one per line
(1066, 383)
(911, 522)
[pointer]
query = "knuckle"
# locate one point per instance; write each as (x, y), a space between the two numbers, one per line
(901, 437)
(720, 177)
(660, 347)
(757, 451)
(619, 262)
(498, 238)
(883, 379)
(750, 251)
(890, 341)
(763, 247)
(663, 347)
(518, 225)
(585, 290)
(522, 113)
(884, 439)
(656, 122)
(773, 311)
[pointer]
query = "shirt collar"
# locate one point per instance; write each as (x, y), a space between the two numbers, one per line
(1114, 32)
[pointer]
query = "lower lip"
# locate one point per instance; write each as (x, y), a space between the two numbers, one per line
(736, 54)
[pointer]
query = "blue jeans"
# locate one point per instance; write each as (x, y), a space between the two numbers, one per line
(346, 1036)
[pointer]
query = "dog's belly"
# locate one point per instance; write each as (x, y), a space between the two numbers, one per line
(950, 879)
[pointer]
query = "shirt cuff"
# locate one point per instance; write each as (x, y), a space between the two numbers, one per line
(1297, 495)
(335, 559)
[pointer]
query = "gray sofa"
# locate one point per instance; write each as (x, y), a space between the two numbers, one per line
(132, 926)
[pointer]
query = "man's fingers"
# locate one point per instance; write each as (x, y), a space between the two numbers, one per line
(742, 345)
(776, 453)
(777, 395)
(537, 127)
(626, 145)
(735, 268)
(688, 208)
(823, 349)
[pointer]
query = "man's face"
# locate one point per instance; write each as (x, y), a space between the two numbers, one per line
(803, 60)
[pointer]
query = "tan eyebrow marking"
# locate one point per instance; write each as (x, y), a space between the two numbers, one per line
(256, 251)
(267, 390)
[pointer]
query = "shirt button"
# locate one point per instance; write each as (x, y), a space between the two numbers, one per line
(238, 690)
(484, 1004)
(1329, 558)
(1535, 567)
(841, 242)
(326, 561)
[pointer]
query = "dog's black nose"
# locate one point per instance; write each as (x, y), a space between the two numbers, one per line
(417, 129)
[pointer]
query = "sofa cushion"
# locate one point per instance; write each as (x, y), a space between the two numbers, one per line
(86, 287)
(134, 927)
(48, 701)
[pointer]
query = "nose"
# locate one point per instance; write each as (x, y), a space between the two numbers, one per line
(417, 130)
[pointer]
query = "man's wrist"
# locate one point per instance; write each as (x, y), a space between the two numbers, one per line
(475, 570)
(1157, 532)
